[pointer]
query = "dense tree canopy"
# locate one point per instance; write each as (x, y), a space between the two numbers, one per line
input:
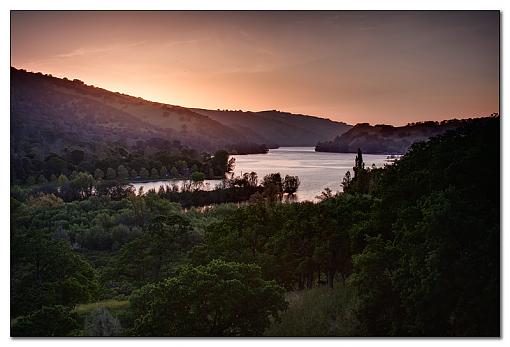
(218, 299)
(49, 321)
(415, 244)
(433, 268)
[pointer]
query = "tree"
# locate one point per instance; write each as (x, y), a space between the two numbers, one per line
(253, 179)
(273, 187)
(98, 174)
(110, 174)
(436, 228)
(76, 156)
(182, 166)
(174, 172)
(198, 179)
(160, 250)
(154, 173)
(163, 172)
(46, 271)
(83, 184)
(42, 180)
(231, 164)
(144, 173)
(346, 181)
(122, 173)
(134, 174)
(49, 321)
(291, 184)
(56, 165)
(359, 165)
(62, 179)
(220, 162)
(218, 299)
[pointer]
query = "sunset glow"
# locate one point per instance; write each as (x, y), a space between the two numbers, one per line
(377, 67)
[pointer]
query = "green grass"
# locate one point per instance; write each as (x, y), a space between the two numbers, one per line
(112, 304)
(317, 312)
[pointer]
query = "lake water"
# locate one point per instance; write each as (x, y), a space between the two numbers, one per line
(316, 170)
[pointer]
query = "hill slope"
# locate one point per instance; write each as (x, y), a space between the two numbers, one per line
(65, 107)
(386, 139)
(276, 128)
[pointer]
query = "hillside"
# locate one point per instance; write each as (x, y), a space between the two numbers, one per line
(74, 112)
(386, 139)
(61, 107)
(61, 126)
(277, 128)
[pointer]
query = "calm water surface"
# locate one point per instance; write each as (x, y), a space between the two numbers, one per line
(315, 170)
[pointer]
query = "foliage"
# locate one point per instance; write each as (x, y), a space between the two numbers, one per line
(317, 312)
(295, 244)
(290, 184)
(157, 253)
(411, 249)
(46, 271)
(219, 299)
(49, 321)
(434, 268)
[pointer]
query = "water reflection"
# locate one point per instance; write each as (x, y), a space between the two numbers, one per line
(315, 170)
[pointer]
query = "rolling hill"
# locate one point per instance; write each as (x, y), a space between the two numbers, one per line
(71, 111)
(386, 139)
(277, 128)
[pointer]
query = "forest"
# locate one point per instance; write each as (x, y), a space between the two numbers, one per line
(386, 139)
(411, 249)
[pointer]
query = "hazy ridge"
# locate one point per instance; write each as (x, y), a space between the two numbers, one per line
(78, 113)
(386, 139)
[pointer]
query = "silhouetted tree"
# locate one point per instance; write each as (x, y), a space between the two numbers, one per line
(346, 180)
(290, 184)
(359, 165)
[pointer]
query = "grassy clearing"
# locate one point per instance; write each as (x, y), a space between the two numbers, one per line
(317, 312)
(112, 305)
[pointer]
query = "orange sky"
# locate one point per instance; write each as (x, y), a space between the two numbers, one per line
(377, 67)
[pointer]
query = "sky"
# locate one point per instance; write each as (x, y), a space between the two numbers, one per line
(352, 66)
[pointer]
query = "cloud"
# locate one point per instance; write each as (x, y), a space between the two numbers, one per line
(95, 50)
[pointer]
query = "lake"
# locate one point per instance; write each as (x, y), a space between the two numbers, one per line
(316, 170)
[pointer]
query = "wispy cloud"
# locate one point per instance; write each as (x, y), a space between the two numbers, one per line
(96, 50)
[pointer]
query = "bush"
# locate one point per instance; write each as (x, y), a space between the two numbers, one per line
(49, 321)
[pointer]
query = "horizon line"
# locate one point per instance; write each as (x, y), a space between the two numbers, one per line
(191, 108)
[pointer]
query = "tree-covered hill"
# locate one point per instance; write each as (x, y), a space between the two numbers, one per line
(61, 107)
(278, 128)
(56, 107)
(386, 139)
(59, 126)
